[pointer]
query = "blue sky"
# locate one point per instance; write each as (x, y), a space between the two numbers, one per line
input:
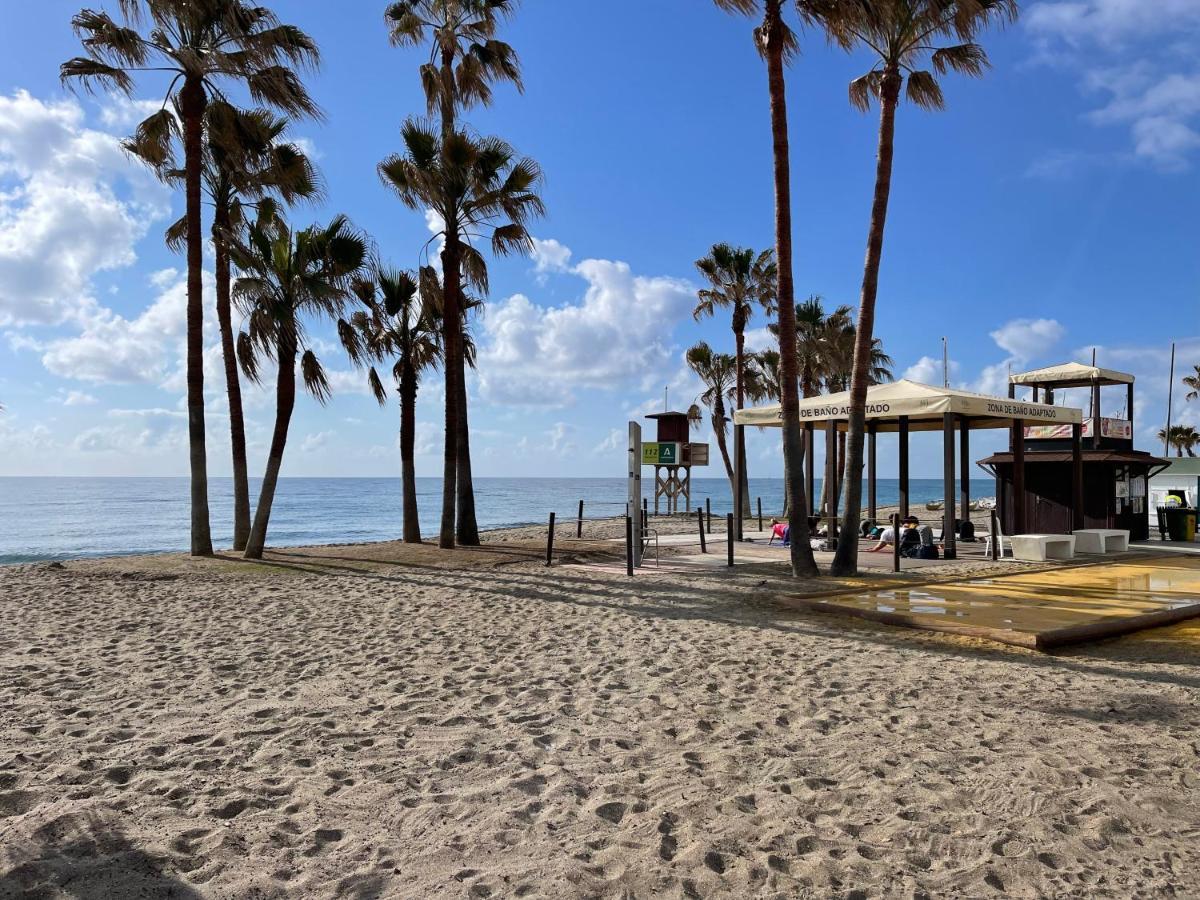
(1047, 210)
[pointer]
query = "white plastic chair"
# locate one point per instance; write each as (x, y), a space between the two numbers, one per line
(999, 536)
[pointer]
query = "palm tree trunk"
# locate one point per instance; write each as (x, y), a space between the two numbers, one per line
(233, 386)
(467, 528)
(192, 107)
(408, 441)
(285, 402)
(718, 423)
(802, 560)
(739, 435)
(452, 348)
(845, 560)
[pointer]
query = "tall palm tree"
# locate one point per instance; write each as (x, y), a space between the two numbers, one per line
(1184, 438)
(718, 372)
(246, 163)
(479, 189)
(285, 277)
(402, 326)
(199, 44)
(465, 61)
(762, 376)
(740, 279)
(900, 34)
(1192, 383)
(776, 43)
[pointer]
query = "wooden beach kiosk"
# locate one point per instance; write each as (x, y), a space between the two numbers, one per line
(903, 407)
(1111, 476)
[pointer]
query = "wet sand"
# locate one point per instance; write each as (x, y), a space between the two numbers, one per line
(386, 721)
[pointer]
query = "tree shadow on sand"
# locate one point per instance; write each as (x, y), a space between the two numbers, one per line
(84, 855)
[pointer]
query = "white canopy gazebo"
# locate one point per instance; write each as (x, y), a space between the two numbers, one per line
(905, 406)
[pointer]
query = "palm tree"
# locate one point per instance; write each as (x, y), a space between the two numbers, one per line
(285, 277)
(478, 188)
(465, 61)
(199, 44)
(1192, 383)
(777, 43)
(403, 326)
(1184, 438)
(246, 163)
(718, 372)
(762, 376)
(899, 33)
(740, 279)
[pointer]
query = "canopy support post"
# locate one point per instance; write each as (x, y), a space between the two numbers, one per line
(808, 469)
(1095, 415)
(903, 434)
(949, 548)
(1018, 481)
(1129, 407)
(964, 468)
(1077, 476)
(872, 496)
(739, 462)
(831, 470)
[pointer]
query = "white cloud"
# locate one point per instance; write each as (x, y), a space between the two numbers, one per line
(560, 439)
(315, 441)
(1026, 339)
(1139, 58)
(76, 205)
(617, 335)
(759, 339)
(550, 256)
(614, 441)
(78, 398)
(114, 350)
(928, 370)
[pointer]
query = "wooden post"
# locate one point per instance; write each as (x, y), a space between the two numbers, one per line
(1077, 519)
(646, 510)
(729, 538)
(738, 499)
(760, 528)
(579, 521)
(903, 434)
(964, 468)
(994, 527)
(1129, 409)
(949, 546)
(629, 545)
(895, 517)
(550, 542)
(1096, 415)
(809, 443)
(708, 512)
(831, 468)
(872, 493)
(700, 525)
(1018, 483)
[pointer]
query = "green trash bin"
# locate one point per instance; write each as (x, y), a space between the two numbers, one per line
(1181, 523)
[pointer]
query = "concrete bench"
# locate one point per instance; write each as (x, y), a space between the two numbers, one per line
(1101, 540)
(1041, 547)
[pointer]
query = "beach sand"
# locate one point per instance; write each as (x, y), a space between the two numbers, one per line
(386, 721)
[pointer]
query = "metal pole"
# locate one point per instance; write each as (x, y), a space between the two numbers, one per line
(708, 512)
(760, 528)
(994, 526)
(729, 538)
(550, 542)
(579, 521)
(1170, 390)
(629, 545)
(700, 525)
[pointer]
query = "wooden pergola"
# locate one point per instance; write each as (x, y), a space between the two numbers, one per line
(903, 407)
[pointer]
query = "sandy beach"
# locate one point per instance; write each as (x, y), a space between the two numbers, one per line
(383, 721)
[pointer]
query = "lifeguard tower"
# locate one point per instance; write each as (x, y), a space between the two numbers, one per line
(1046, 464)
(672, 457)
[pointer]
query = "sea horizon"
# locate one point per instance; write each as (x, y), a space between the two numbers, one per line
(54, 518)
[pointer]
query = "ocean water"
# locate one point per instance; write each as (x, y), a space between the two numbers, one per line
(66, 518)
